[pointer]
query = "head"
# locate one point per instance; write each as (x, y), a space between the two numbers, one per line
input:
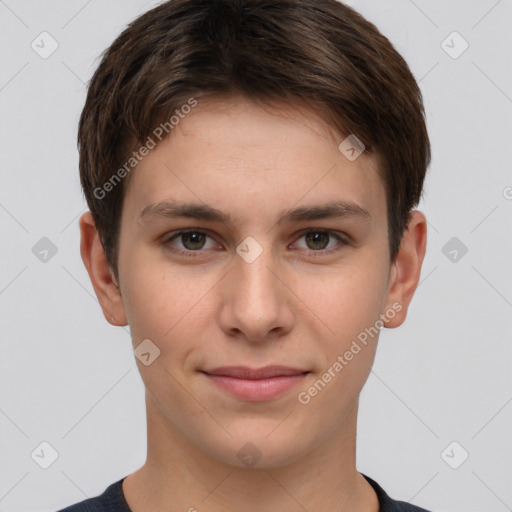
(244, 117)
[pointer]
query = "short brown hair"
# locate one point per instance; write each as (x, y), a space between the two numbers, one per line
(320, 51)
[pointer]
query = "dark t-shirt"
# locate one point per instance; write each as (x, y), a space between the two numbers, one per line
(112, 500)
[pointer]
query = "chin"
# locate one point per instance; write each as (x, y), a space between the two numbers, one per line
(259, 451)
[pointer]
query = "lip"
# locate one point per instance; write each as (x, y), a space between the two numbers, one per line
(255, 385)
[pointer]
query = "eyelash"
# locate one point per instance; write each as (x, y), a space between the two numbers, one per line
(192, 254)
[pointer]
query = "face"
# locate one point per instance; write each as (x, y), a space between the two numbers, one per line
(255, 294)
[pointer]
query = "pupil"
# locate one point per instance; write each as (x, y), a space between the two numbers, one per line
(315, 237)
(195, 238)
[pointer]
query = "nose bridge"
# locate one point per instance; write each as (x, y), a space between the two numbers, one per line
(257, 300)
(256, 284)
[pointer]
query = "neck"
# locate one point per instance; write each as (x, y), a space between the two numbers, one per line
(177, 472)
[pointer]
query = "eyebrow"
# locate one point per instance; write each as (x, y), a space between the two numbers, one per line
(333, 209)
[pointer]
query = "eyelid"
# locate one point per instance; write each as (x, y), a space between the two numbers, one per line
(339, 235)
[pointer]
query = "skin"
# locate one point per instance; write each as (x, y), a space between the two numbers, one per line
(294, 305)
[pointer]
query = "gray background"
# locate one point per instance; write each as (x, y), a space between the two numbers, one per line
(69, 378)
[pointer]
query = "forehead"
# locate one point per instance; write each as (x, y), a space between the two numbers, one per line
(247, 158)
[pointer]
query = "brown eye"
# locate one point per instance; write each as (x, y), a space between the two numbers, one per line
(190, 243)
(321, 242)
(317, 240)
(193, 240)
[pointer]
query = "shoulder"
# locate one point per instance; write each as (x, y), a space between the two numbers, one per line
(387, 504)
(112, 500)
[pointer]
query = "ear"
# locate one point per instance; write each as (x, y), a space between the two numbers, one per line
(101, 275)
(406, 269)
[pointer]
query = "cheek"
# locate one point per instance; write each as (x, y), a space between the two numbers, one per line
(345, 300)
(348, 302)
(165, 305)
(350, 308)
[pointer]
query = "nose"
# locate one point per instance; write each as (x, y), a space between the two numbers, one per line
(256, 300)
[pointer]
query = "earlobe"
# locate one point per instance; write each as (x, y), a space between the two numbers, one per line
(102, 277)
(406, 270)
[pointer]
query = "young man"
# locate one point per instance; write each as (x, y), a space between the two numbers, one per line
(251, 168)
